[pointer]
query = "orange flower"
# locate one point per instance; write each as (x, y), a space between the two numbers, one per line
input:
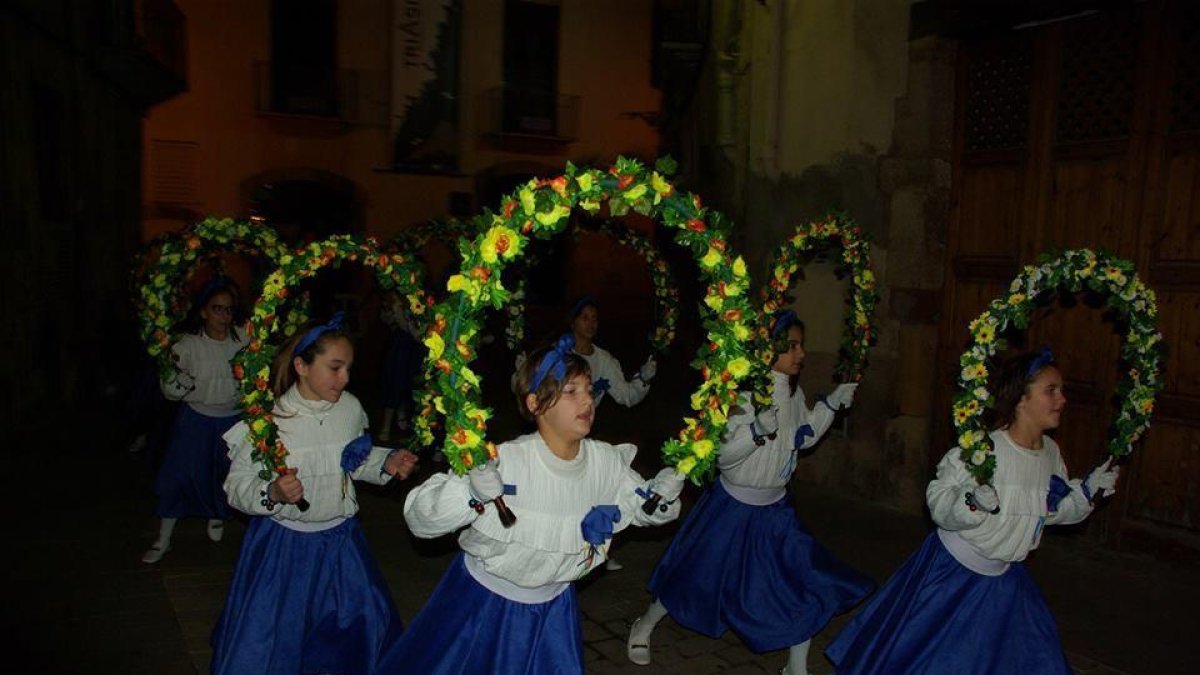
(696, 225)
(510, 205)
(559, 185)
(467, 460)
(443, 365)
(733, 315)
(491, 450)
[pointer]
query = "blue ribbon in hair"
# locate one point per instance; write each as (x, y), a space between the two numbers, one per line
(586, 300)
(783, 321)
(554, 361)
(1043, 359)
(336, 322)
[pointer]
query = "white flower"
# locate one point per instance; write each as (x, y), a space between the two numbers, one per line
(978, 457)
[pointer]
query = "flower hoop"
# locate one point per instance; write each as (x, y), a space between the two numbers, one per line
(666, 295)
(161, 300)
(1075, 270)
(859, 335)
(252, 365)
(541, 208)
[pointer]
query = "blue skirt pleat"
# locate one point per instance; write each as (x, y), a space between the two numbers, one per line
(465, 629)
(755, 570)
(936, 616)
(304, 602)
(191, 480)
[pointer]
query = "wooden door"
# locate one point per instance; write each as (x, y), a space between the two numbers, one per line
(1086, 133)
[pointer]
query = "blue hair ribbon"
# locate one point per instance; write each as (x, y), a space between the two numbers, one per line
(336, 322)
(783, 321)
(554, 361)
(1043, 359)
(586, 300)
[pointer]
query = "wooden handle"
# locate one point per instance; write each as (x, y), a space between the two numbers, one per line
(302, 504)
(506, 516)
(651, 504)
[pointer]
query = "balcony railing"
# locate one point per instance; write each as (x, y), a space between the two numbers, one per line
(357, 97)
(531, 113)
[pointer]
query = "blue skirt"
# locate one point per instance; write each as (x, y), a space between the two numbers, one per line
(936, 616)
(465, 629)
(753, 569)
(191, 480)
(304, 602)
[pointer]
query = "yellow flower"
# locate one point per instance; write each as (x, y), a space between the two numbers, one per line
(585, 181)
(439, 404)
(259, 426)
(968, 438)
(986, 334)
(436, 346)
(527, 202)
(264, 373)
(714, 302)
(1016, 299)
(686, 465)
(660, 185)
(960, 415)
(499, 241)
(711, 259)
(741, 332)
(702, 448)
(739, 268)
(458, 283)
(974, 371)
(635, 192)
(739, 367)
(553, 216)
(464, 438)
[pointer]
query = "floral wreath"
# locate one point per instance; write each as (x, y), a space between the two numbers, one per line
(161, 302)
(541, 208)
(1073, 270)
(252, 365)
(666, 294)
(859, 335)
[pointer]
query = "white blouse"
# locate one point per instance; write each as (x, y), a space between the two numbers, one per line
(1022, 481)
(550, 497)
(315, 433)
(745, 464)
(607, 369)
(205, 381)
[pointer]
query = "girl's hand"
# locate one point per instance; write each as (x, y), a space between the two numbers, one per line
(287, 489)
(400, 464)
(1103, 477)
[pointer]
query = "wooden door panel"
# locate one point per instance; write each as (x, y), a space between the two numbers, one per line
(1179, 234)
(990, 219)
(1163, 487)
(1177, 313)
(1087, 204)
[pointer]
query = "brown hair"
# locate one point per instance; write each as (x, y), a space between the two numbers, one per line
(284, 368)
(550, 388)
(1010, 383)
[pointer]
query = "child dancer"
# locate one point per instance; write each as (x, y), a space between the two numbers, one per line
(507, 605)
(195, 465)
(964, 602)
(307, 596)
(763, 574)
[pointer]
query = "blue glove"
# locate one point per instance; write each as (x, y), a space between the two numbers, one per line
(356, 451)
(1058, 490)
(597, 525)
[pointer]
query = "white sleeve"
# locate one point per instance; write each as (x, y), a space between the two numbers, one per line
(626, 392)
(630, 503)
(1073, 508)
(946, 495)
(819, 418)
(184, 382)
(371, 470)
(243, 486)
(738, 442)
(438, 506)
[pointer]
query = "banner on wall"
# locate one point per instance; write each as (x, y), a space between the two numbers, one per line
(425, 45)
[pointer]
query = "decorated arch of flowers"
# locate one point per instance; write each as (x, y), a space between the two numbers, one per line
(837, 232)
(666, 294)
(1074, 270)
(542, 208)
(162, 303)
(252, 365)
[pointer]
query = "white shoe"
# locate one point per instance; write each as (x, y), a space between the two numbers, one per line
(156, 552)
(216, 529)
(612, 565)
(639, 652)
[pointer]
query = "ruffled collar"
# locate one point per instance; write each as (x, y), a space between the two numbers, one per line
(295, 404)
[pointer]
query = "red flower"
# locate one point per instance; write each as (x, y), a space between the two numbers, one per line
(509, 206)
(696, 225)
(559, 185)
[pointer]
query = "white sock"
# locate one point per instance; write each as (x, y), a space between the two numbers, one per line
(165, 530)
(640, 634)
(798, 658)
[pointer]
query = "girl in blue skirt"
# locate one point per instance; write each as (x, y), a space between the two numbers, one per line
(743, 560)
(307, 596)
(194, 465)
(963, 602)
(507, 605)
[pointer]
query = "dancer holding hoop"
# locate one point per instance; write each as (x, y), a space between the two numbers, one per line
(307, 595)
(765, 576)
(507, 604)
(194, 465)
(964, 602)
